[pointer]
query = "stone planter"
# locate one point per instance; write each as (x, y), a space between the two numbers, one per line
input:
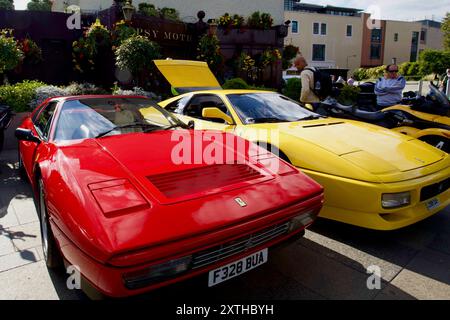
(10, 139)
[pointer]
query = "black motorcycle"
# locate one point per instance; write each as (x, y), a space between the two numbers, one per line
(423, 117)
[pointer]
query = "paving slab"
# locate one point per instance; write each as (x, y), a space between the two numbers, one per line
(326, 276)
(34, 282)
(6, 245)
(434, 265)
(18, 259)
(420, 286)
(354, 258)
(24, 209)
(25, 236)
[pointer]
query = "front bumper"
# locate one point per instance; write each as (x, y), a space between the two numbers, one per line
(359, 203)
(109, 281)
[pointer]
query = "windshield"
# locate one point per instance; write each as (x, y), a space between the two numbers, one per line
(268, 107)
(90, 118)
(439, 96)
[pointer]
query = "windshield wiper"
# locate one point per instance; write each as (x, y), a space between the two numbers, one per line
(268, 120)
(132, 125)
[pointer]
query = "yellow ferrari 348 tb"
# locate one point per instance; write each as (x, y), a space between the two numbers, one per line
(373, 177)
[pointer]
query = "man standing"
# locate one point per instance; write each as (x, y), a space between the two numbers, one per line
(389, 90)
(307, 76)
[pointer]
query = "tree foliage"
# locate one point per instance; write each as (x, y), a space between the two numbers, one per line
(434, 61)
(446, 31)
(7, 4)
(10, 53)
(136, 54)
(39, 5)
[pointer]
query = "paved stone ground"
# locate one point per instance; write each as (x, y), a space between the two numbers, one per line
(330, 262)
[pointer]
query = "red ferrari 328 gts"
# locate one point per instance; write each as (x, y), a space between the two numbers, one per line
(113, 200)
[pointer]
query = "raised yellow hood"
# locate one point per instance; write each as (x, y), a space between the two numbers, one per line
(186, 76)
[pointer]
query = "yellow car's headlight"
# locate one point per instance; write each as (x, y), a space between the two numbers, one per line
(395, 200)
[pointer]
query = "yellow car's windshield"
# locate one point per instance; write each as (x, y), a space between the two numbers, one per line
(268, 107)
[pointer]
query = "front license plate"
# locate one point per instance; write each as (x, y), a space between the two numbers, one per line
(237, 268)
(433, 204)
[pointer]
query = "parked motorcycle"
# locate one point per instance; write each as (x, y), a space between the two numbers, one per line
(425, 118)
(6, 116)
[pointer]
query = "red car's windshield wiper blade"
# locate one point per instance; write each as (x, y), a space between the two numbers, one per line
(133, 125)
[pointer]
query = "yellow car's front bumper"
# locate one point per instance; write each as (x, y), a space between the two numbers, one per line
(359, 203)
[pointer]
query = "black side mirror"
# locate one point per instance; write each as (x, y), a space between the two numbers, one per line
(26, 135)
(191, 124)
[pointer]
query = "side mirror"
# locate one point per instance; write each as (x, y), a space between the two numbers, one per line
(191, 124)
(26, 135)
(216, 113)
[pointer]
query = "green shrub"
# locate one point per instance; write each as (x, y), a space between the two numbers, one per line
(236, 83)
(75, 89)
(136, 54)
(360, 74)
(10, 53)
(148, 10)
(170, 13)
(19, 95)
(376, 72)
(293, 88)
(289, 53)
(434, 61)
(348, 95)
(6, 5)
(39, 5)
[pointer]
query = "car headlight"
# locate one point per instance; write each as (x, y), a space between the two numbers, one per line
(395, 200)
(157, 273)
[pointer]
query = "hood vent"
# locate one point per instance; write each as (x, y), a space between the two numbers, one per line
(181, 183)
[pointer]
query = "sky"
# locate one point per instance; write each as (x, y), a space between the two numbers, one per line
(388, 9)
(396, 9)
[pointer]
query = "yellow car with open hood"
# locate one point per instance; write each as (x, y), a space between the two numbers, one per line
(373, 177)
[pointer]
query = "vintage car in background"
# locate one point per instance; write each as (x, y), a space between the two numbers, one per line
(114, 201)
(373, 177)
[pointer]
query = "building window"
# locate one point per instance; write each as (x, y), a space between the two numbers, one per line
(316, 27)
(294, 26)
(349, 30)
(395, 37)
(414, 46)
(318, 52)
(376, 35)
(323, 29)
(375, 51)
(423, 36)
(289, 5)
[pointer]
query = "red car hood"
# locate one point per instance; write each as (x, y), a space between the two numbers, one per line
(175, 209)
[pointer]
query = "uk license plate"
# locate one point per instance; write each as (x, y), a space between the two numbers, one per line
(433, 204)
(238, 267)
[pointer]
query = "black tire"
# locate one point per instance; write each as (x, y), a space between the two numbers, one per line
(22, 172)
(438, 142)
(2, 139)
(52, 255)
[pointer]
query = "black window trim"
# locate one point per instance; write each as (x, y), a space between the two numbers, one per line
(52, 121)
(209, 94)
